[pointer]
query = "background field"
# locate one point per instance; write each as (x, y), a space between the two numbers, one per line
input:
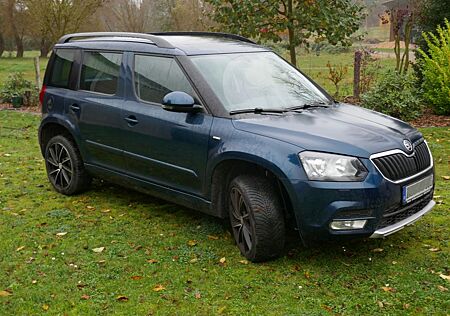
(159, 258)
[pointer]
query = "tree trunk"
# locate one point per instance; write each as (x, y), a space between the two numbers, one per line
(2, 45)
(19, 46)
(45, 48)
(292, 43)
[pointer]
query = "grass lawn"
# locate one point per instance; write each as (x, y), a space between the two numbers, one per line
(26, 65)
(163, 259)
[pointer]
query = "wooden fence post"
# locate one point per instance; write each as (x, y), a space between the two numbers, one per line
(37, 69)
(357, 74)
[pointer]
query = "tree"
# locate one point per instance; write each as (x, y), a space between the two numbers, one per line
(16, 22)
(51, 19)
(331, 20)
(137, 15)
(189, 15)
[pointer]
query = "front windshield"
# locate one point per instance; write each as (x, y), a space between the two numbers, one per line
(262, 80)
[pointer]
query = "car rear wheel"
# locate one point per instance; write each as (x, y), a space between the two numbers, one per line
(65, 168)
(256, 217)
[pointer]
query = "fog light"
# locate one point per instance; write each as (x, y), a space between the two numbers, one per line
(347, 225)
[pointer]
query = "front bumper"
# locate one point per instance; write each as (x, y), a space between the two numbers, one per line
(386, 231)
(318, 204)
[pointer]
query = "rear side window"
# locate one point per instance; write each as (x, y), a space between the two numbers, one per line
(100, 72)
(154, 77)
(62, 67)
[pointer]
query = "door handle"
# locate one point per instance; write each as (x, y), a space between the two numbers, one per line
(131, 120)
(75, 107)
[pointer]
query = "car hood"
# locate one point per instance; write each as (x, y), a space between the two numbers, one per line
(341, 128)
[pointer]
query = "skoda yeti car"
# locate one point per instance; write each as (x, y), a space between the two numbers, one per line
(216, 123)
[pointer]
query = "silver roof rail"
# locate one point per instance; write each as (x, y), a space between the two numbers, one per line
(213, 34)
(153, 38)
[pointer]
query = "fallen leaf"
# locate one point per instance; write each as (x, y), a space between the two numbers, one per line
(90, 207)
(34, 281)
(136, 277)
(198, 295)
(192, 243)
(106, 211)
(406, 306)
(61, 234)
(5, 293)
(45, 307)
(85, 297)
(122, 298)
(380, 304)
(159, 288)
(212, 237)
(378, 250)
(434, 249)
(98, 250)
(445, 277)
(243, 261)
(388, 289)
(20, 248)
(446, 177)
(222, 260)
(442, 288)
(152, 261)
(194, 260)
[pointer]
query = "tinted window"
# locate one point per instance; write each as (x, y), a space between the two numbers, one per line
(155, 77)
(100, 72)
(62, 66)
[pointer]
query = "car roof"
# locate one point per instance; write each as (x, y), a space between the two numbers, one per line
(173, 43)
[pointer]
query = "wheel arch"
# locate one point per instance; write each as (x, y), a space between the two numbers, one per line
(54, 126)
(233, 164)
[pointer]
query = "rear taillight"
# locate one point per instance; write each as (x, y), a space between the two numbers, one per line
(42, 94)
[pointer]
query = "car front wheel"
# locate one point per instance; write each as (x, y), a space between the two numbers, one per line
(256, 217)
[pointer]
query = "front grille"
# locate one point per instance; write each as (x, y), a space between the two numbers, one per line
(398, 166)
(398, 213)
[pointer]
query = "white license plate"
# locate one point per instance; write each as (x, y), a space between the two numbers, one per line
(417, 189)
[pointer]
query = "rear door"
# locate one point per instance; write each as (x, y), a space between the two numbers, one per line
(96, 107)
(163, 147)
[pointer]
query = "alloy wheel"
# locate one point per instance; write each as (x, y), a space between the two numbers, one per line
(240, 220)
(59, 166)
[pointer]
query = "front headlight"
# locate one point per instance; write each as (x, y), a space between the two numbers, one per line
(328, 167)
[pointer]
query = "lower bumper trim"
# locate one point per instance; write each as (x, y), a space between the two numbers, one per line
(386, 231)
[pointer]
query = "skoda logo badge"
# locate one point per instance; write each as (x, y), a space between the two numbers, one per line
(408, 145)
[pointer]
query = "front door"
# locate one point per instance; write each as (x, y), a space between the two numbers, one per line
(162, 147)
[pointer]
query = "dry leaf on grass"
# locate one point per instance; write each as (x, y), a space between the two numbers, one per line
(85, 297)
(159, 288)
(61, 234)
(136, 277)
(442, 288)
(20, 248)
(152, 261)
(446, 177)
(222, 260)
(243, 261)
(434, 249)
(98, 250)
(388, 289)
(5, 293)
(122, 298)
(378, 250)
(192, 243)
(212, 237)
(445, 277)
(45, 307)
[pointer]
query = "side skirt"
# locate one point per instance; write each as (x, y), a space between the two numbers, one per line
(159, 191)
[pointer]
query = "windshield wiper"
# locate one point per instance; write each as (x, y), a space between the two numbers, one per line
(308, 106)
(256, 111)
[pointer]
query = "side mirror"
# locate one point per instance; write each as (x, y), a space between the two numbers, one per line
(178, 101)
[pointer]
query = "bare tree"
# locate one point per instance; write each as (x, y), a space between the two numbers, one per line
(16, 24)
(50, 19)
(190, 15)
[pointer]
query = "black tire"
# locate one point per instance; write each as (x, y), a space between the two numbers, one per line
(256, 217)
(65, 168)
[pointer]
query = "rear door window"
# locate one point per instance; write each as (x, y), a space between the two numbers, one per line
(100, 72)
(62, 67)
(154, 77)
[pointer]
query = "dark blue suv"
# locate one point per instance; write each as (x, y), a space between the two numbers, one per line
(217, 123)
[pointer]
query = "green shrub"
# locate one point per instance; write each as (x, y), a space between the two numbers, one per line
(435, 68)
(15, 86)
(396, 95)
